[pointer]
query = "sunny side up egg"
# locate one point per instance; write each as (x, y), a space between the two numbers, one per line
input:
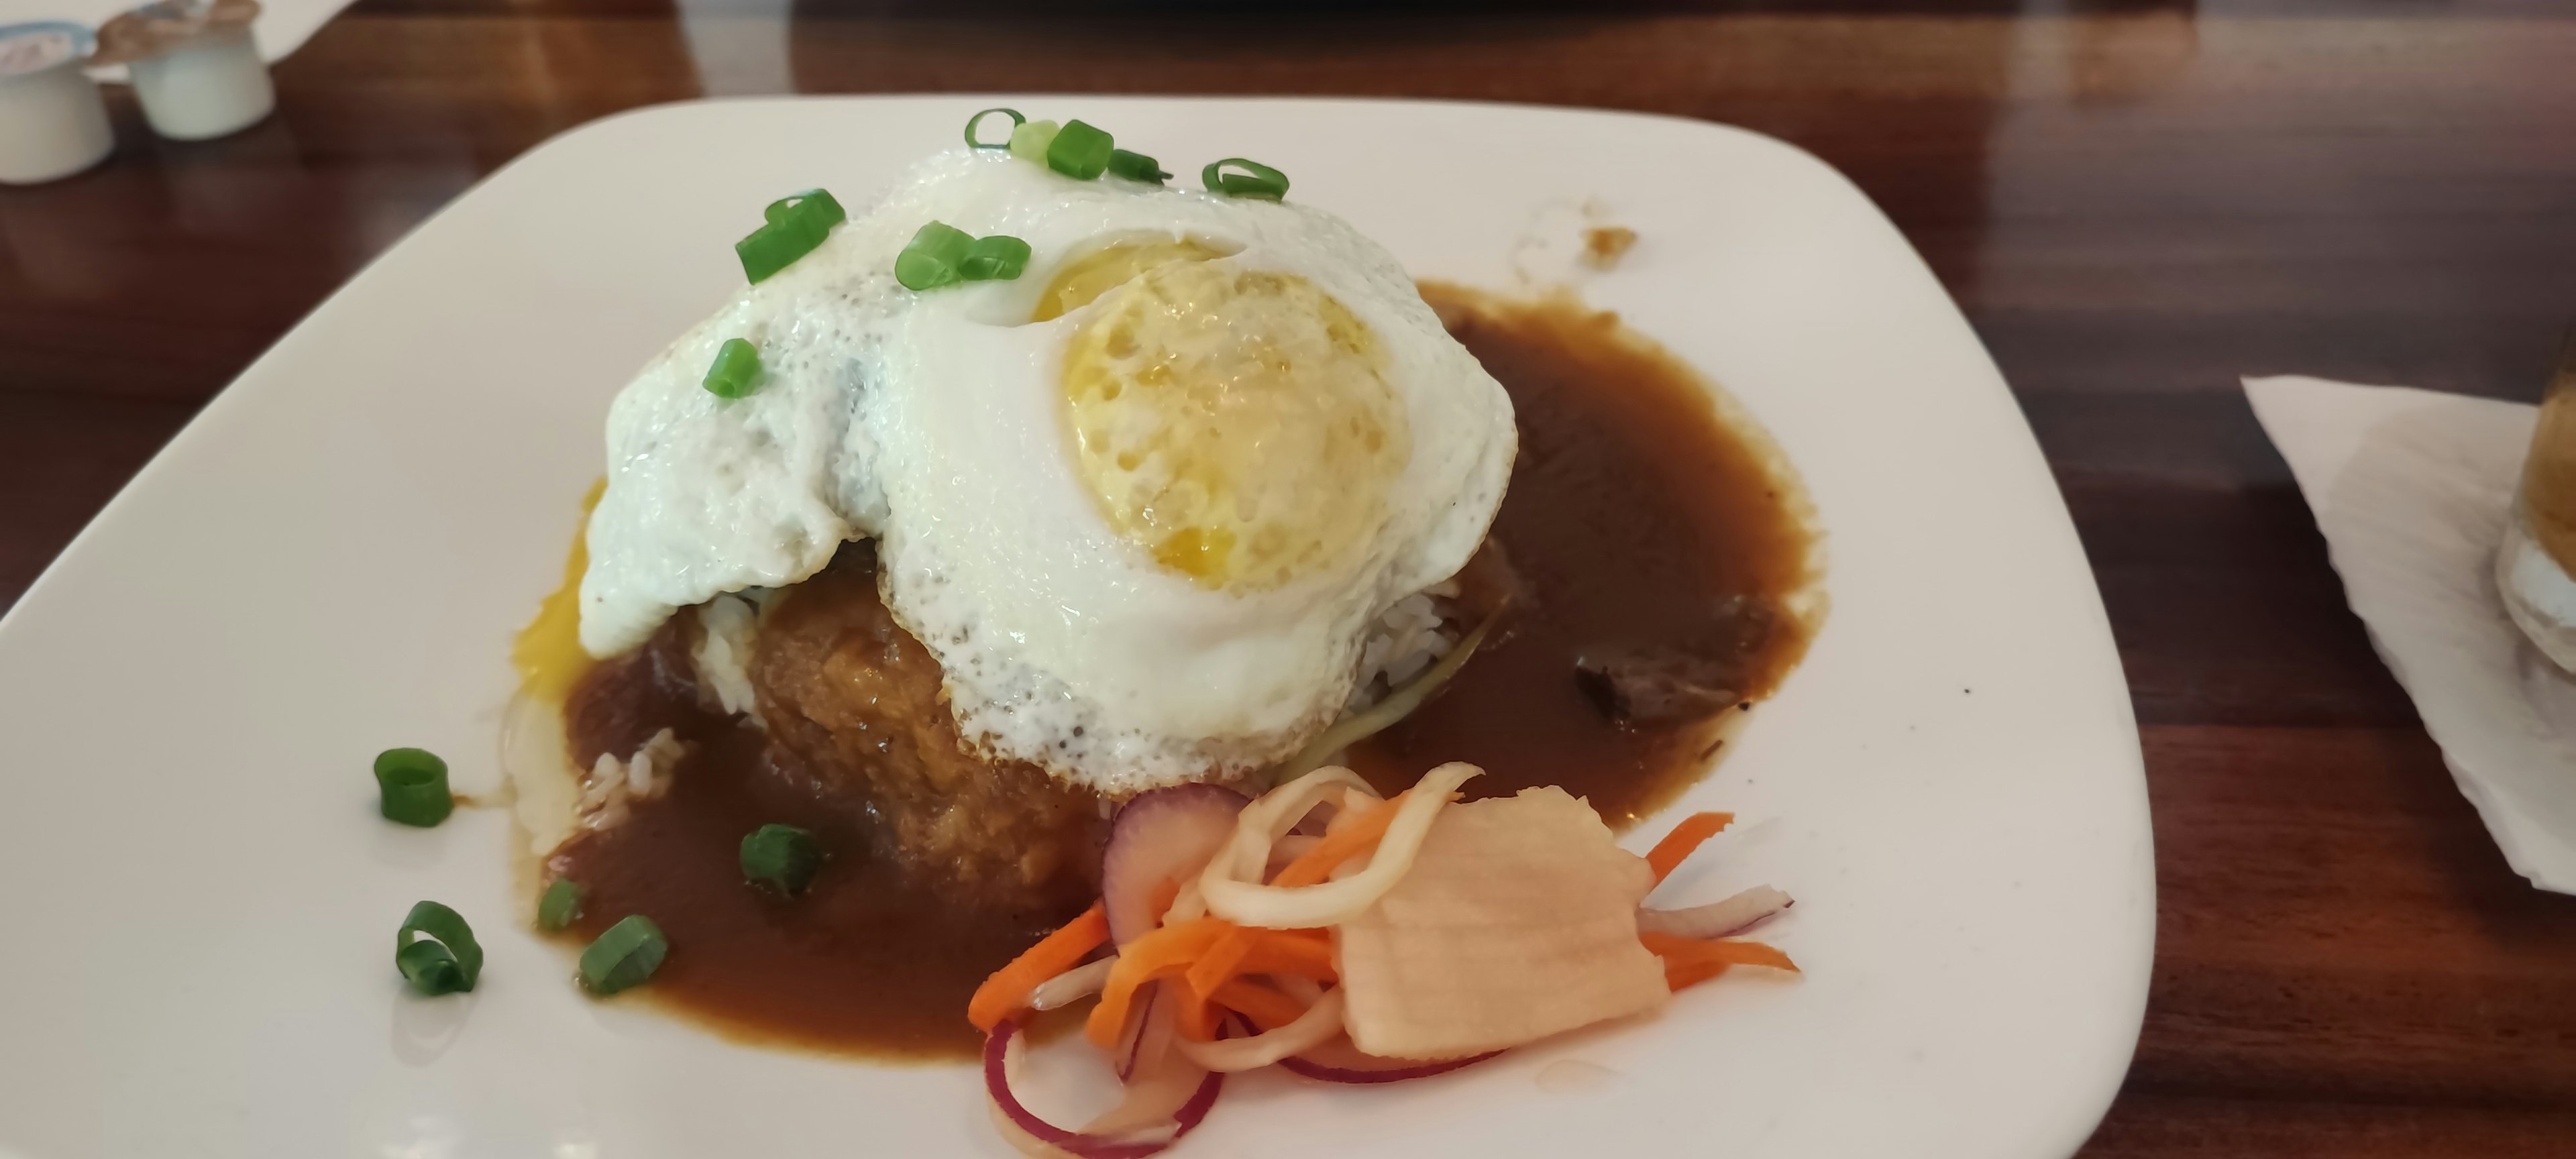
(1144, 503)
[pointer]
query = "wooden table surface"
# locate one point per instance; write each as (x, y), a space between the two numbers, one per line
(2135, 205)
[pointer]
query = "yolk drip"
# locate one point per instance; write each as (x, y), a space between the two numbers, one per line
(548, 652)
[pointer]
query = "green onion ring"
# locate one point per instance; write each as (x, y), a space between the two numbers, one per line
(560, 907)
(815, 204)
(782, 856)
(1016, 121)
(1079, 151)
(1260, 181)
(794, 226)
(1029, 141)
(448, 963)
(735, 371)
(411, 787)
(1136, 167)
(930, 260)
(623, 957)
(998, 258)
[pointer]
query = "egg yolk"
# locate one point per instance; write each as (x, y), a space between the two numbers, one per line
(1236, 424)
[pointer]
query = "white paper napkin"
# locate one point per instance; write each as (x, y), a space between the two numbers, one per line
(2412, 490)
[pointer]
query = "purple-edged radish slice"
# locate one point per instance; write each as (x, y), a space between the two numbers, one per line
(1166, 835)
(1340, 1062)
(1037, 1137)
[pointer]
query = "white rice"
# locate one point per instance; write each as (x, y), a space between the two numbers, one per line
(723, 653)
(1403, 642)
(614, 785)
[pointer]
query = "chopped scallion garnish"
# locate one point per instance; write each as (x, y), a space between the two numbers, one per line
(1079, 151)
(1136, 167)
(411, 787)
(624, 956)
(448, 961)
(560, 906)
(932, 258)
(1257, 180)
(1030, 139)
(1016, 121)
(783, 856)
(998, 258)
(795, 225)
(736, 370)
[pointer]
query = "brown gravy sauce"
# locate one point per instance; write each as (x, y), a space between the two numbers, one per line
(1636, 516)
(858, 963)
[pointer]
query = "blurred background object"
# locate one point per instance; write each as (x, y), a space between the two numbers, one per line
(194, 64)
(2540, 539)
(53, 123)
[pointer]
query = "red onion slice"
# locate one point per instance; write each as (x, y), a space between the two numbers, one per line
(1340, 1062)
(1147, 1034)
(997, 1084)
(1163, 835)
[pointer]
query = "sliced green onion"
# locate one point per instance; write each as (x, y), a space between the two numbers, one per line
(1016, 121)
(561, 904)
(795, 225)
(998, 258)
(1079, 151)
(781, 855)
(624, 956)
(817, 205)
(1257, 180)
(1136, 167)
(931, 259)
(736, 370)
(1030, 139)
(448, 962)
(411, 786)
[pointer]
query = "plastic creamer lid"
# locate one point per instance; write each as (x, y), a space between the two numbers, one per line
(170, 25)
(26, 49)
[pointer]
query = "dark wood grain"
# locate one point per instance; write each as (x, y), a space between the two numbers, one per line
(2135, 204)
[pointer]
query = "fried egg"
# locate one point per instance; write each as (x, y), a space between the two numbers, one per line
(1144, 502)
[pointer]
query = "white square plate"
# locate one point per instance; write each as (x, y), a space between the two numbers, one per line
(199, 903)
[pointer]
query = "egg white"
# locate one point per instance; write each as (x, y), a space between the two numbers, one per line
(934, 422)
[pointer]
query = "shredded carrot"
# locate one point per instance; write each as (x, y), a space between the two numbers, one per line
(1304, 953)
(1690, 961)
(1223, 960)
(1161, 954)
(1194, 1017)
(1264, 1005)
(1007, 991)
(1668, 853)
(1361, 835)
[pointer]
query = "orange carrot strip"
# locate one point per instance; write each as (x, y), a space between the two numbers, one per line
(1363, 834)
(1223, 960)
(1265, 1006)
(1690, 961)
(1164, 953)
(1685, 837)
(1304, 953)
(1195, 1018)
(1007, 991)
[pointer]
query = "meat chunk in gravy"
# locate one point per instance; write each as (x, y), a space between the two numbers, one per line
(854, 703)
